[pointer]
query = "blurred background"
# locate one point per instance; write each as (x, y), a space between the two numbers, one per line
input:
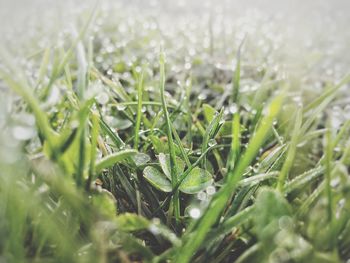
(303, 25)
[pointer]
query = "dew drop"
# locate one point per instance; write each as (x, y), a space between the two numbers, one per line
(23, 132)
(211, 190)
(74, 124)
(121, 107)
(195, 212)
(335, 182)
(102, 98)
(256, 168)
(233, 108)
(212, 142)
(285, 222)
(188, 66)
(154, 229)
(110, 72)
(202, 96)
(202, 196)
(138, 69)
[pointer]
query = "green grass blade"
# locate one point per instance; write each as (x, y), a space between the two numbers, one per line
(237, 76)
(139, 111)
(114, 84)
(291, 151)
(182, 149)
(67, 56)
(303, 179)
(230, 223)
(194, 240)
(44, 65)
(114, 136)
(112, 159)
(188, 109)
(95, 120)
(328, 149)
(235, 144)
(210, 133)
(170, 137)
(327, 95)
(42, 121)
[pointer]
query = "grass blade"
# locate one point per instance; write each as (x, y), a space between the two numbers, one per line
(328, 149)
(193, 240)
(139, 111)
(291, 151)
(94, 135)
(112, 159)
(173, 166)
(237, 75)
(235, 144)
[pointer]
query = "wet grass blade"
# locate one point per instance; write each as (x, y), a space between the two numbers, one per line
(182, 149)
(237, 75)
(42, 121)
(43, 66)
(114, 136)
(176, 203)
(189, 113)
(235, 143)
(112, 159)
(327, 95)
(94, 134)
(67, 56)
(114, 84)
(301, 180)
(230, 223)
(81, 158)
(291, 151)
(328, 149)
(203, 225)
(139, 110)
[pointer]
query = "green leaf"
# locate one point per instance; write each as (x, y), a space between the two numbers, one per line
(112, 159)
(226, 129)
(197, 180)
(132, 222)
(121, 124)
(270, 207)
(208, 112)
(106, 203)
(164, 160)
(157, 179)
(157, 144)
(140, 159)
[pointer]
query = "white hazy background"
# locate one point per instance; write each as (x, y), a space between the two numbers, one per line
(306, 25)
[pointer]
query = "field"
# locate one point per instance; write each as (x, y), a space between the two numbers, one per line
(174, 133)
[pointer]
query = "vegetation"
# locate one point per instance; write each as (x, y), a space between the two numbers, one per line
(131, 143)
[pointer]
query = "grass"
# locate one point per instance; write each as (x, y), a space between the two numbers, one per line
(115, 152)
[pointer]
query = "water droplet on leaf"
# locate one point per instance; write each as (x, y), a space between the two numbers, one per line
(195, 212)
